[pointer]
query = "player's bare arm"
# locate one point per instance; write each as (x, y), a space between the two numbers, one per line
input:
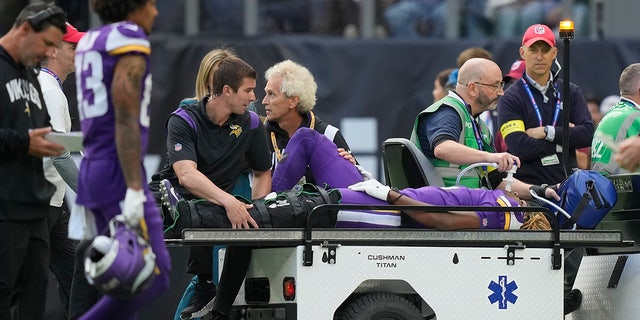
(438, 220)
(126, 88)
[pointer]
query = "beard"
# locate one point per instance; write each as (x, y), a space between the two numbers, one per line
(486, 103)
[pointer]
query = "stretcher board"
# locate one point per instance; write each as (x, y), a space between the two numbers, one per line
(402, 237)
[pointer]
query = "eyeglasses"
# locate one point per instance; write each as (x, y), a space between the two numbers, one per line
(497, 87)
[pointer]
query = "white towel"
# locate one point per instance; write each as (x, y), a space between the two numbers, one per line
(82, 223)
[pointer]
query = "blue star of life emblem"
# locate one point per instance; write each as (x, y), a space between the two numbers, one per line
(502, 292)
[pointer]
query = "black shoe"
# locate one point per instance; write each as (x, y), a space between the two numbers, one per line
(205, 291)
(572, 301)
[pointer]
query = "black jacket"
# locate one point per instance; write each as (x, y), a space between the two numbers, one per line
(516, 107)
(24, 191)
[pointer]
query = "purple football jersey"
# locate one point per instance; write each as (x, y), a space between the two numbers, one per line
(96, 57)
(461, 196)
(436, 196)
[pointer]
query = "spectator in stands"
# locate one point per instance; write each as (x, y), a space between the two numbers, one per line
(342, 17)
(416, 18)
(511, 17)
(170, 16)
(475, 25)
(618, 125)
(285, 16)
(77, 12)
(530, 113)
(228, 19)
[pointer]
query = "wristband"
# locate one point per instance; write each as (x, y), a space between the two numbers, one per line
(539, 190)
(397, 198)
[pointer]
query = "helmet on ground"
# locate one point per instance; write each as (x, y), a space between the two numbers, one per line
(120, 265)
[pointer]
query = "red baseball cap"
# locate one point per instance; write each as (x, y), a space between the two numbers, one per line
(72, 35)
(517, 70)
(538, 32)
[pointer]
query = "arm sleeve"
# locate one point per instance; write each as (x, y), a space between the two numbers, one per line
(67, 169)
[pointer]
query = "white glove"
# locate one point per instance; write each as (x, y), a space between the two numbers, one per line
(373, 188)
(133, 206)
(366, 175)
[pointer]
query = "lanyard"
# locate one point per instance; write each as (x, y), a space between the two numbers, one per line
(478, 134)
(477, 131)
(535, 105)
(277, 151)
(53, 75)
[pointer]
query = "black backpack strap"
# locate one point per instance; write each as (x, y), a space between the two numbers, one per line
(577, 212)
(324, 194)
(263, 213)
(600, 201)
(292, 196)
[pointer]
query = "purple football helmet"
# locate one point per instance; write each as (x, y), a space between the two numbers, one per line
(121, 265)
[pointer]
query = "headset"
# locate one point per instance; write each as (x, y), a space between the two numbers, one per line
(36, 20)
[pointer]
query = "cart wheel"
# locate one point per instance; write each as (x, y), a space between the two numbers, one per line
(380, 306)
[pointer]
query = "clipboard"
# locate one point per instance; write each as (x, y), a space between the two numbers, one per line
(71, 141)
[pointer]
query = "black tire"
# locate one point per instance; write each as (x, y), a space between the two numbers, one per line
(380, 306)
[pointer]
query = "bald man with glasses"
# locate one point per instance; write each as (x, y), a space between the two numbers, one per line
(450, 134)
